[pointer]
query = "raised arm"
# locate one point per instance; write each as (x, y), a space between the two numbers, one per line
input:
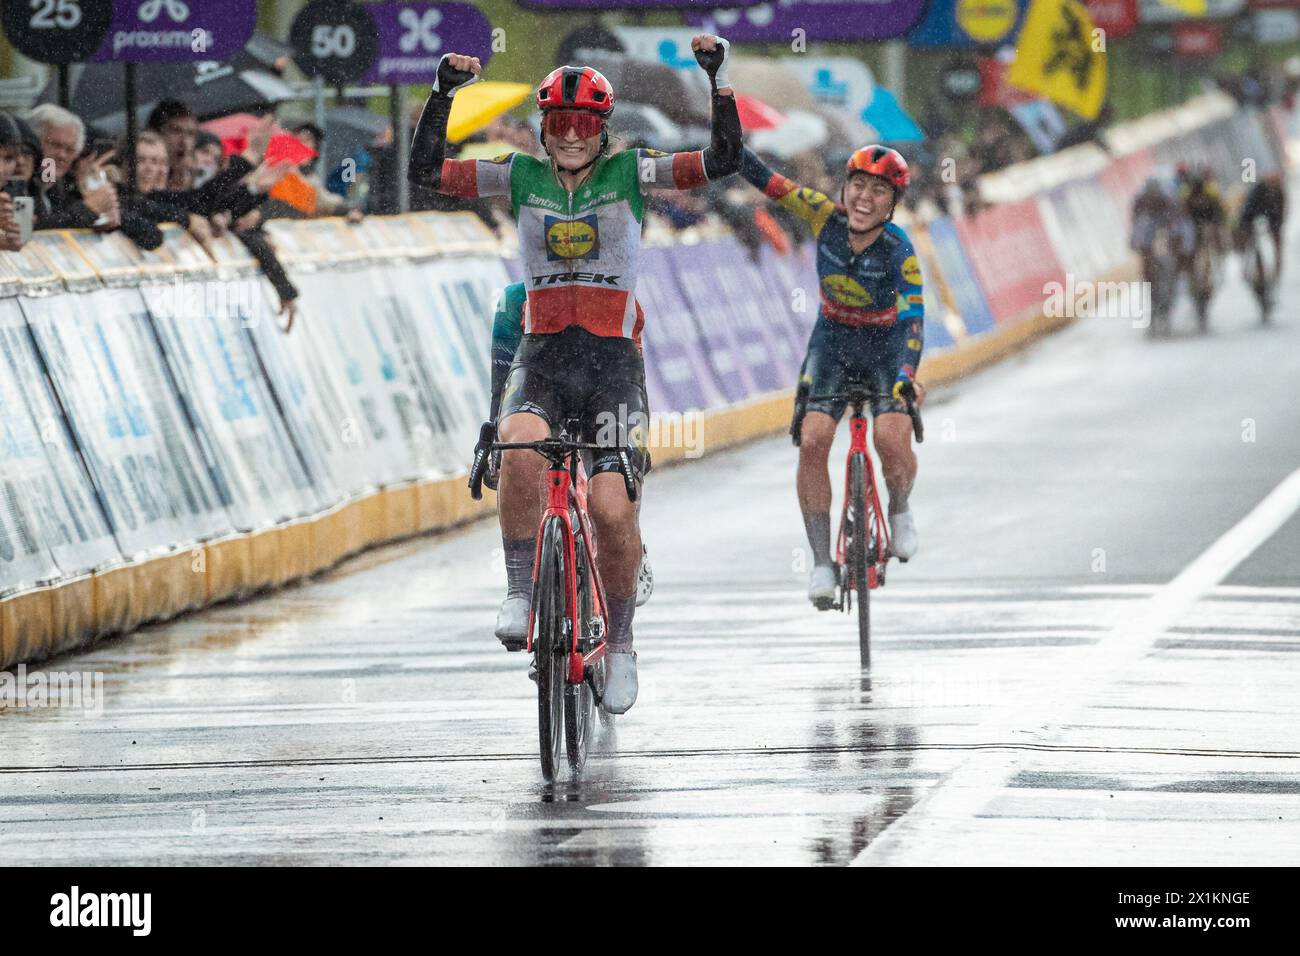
(428, 169)
(811, 206)
(721, 158)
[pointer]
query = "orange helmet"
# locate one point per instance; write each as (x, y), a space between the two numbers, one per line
(576, 88)
(876, 160)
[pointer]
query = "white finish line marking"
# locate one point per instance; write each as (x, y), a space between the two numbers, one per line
(983, 774)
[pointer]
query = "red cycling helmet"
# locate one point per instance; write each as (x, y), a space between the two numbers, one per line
(576, 88)
(876, 160)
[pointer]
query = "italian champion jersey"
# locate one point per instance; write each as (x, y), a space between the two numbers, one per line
(581, 250)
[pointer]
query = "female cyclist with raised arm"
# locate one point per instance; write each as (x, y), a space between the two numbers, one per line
(869, 330)
(579, 214)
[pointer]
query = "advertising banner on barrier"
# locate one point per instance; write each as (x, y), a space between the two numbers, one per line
(959, 276)
(126, 419)
(59, 491)
(942, 320)
(260, 478)
(455, 304)
(29, 513)
(709, 280)
(678, 374)
(1012, 255)
(791, 293)
(310, 403)
(720, 345)
(1088, 229)
(438, 414)
(351, 345)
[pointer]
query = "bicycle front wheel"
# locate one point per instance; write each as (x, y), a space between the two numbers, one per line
(857, 552)
(550, 645)
(579, 702)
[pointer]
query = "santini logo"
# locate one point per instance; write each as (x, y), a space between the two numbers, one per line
(102, 909)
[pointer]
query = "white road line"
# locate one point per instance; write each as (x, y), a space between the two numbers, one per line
(985, 773)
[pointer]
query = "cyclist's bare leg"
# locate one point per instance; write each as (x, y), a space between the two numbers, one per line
(618, 551)
(893, 438)
(519, 509)
(519, 501)
(814, 482)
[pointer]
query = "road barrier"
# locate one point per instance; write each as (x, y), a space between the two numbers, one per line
(166, 445)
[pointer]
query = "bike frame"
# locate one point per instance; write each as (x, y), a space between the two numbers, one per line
(566, 496)
(858, 445)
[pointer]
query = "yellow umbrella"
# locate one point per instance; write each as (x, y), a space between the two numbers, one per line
(480, 103)
(486, 150)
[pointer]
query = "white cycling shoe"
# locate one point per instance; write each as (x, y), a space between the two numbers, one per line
(823, 585)
(902, 535)
(620, 681)
(512, 623)
(645, 579)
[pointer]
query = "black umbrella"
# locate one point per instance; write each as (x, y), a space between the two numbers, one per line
(655, 83)
(209, 88)
(348, 130)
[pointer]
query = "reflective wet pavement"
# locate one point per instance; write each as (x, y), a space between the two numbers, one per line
(1085, 663)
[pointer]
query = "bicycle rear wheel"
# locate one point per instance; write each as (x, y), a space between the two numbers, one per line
(579, 702)
(857, 552)
(550, 645)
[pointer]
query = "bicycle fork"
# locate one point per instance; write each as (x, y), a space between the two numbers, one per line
(558, 487)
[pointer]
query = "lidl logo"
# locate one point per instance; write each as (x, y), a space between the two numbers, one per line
(572, 238)
(846, 291)
(912, 271)
(986, 21)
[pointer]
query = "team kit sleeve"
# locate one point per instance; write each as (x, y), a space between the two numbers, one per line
(811, 206)
(507, 333)
(469, 178)
(689, 170)
(911, 310)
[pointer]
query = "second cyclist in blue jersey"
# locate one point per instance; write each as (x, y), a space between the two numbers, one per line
(869, 332)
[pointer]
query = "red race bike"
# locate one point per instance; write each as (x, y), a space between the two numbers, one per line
(862, 548)
(568, 618)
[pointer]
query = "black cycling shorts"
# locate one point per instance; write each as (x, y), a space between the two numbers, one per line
(600, 380)
(842, 356)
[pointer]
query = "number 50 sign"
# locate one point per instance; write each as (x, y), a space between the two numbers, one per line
(389, 43)
(334, 39)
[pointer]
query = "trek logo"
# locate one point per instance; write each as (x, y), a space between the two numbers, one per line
(556, 277)
(74, 909)
(572, 238)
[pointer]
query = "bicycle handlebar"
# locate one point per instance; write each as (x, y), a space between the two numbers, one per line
(859, 398)
(554, 450)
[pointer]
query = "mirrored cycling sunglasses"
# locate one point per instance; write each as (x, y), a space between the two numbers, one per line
(557, 123)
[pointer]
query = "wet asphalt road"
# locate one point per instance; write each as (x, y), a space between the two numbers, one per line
(1092, 660)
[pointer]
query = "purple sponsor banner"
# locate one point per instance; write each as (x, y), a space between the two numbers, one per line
(790, 293)
(819, 19)
(414, 36)
(678, 375)
(716, 336)
(626, 4)
(176, 31)
(709, 280)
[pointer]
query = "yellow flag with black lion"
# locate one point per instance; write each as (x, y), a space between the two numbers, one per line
(1061, 56)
